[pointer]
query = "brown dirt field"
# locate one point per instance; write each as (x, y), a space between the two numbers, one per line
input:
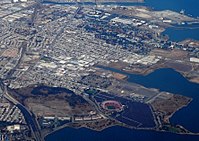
(182, 67)
(118, 65)
(53, 106)
(13, 52)
(61, 104)
(118, 76)
(169, 106)
(195, 80)
(174, 54)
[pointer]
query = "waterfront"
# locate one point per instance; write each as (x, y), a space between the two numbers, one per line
(171, 81)
(164, 79)
(174, 5)
(174, 33)
(116, 134)
(185, 33)
(189, 6)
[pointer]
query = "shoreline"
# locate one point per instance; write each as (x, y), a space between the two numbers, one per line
(145, 72)
(120, 124)
(124, 126)
(109, 2)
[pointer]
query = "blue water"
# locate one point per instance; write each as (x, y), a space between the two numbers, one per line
(171, 81)
(176, 34)
(116, 134)
(190, 6)
(131, 115)
(164, 79)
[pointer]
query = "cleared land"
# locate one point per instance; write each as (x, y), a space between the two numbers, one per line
(165, 105)
(44, 102)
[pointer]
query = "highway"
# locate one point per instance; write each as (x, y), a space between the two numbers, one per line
(29, 117)
(30, 120)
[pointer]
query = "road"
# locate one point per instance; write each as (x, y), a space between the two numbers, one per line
(25, 8)
(64, 26)
(30, 120)
(29, 117)
(21, 54)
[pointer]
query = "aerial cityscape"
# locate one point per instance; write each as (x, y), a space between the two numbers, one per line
(99, 70)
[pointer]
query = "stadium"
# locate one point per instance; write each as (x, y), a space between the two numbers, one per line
(112, 105)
